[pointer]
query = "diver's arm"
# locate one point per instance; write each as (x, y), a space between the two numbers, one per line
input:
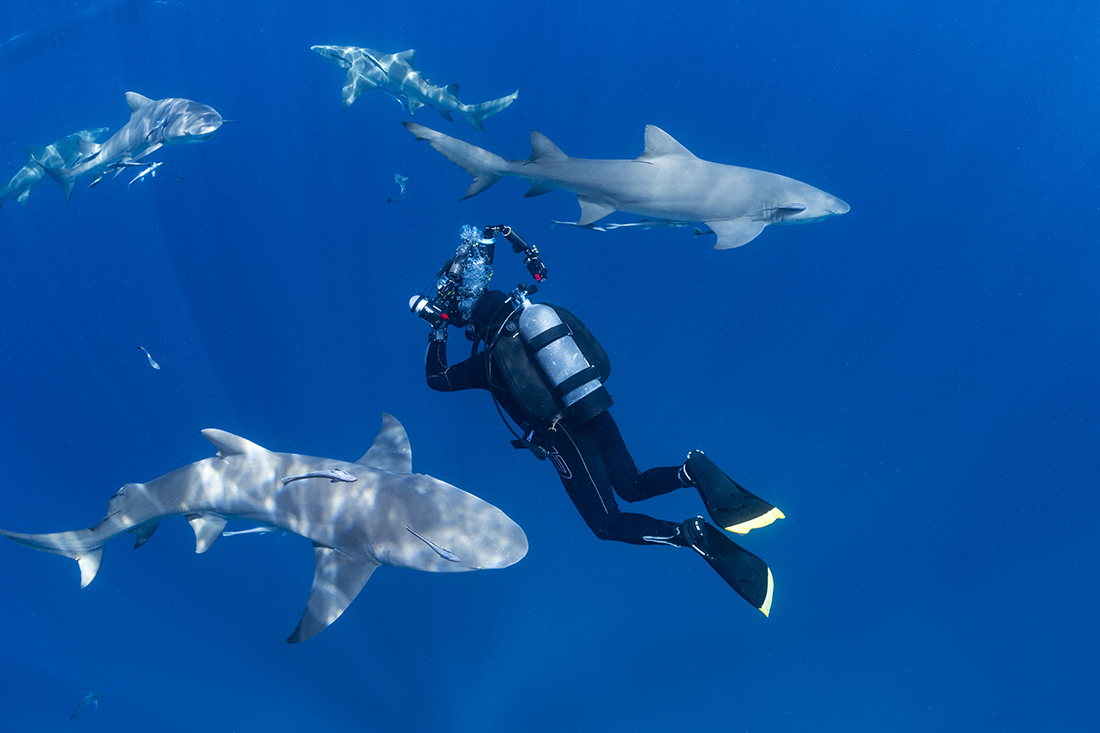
(468, 374)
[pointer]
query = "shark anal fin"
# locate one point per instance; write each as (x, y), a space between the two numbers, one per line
(208, 527)
(143, 533)
(390, 450)
(337, 581)
(592, 210)
(735, 232)
(538, 188)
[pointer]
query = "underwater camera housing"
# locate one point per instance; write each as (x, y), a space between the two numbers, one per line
(463, 277)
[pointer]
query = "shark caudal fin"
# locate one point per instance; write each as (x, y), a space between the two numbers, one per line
(475, 114)
(486, 168)
(81, 545)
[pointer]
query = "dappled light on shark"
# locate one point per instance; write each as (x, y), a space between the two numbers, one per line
(359, 515)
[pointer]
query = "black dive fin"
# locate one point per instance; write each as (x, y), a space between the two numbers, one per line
(745, 572)
(729, 505)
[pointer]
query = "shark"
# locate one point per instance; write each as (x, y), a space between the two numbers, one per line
(61, 153)
(153, 124)
(396, 75)
(387, 516)
(666, 183)
(92, 698)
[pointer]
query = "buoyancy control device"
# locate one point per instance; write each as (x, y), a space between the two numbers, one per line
(551, 362)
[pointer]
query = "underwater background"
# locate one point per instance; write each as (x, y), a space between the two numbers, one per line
(914, 383)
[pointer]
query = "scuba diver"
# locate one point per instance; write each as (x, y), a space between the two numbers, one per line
(546, 371)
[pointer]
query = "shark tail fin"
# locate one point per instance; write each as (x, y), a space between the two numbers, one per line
(475, 114)
(486, 168)
(81, 545)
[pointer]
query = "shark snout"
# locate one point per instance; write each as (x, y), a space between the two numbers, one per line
(840, 207)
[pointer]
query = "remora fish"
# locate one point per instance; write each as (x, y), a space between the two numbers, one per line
(61, 153)
(153, 124)
(355, 528)
(665, 182)
(397, 76)
(333, 474)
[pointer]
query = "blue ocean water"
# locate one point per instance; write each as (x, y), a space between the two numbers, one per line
(914, 383)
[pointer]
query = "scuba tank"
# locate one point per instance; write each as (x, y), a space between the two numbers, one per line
(551, 363)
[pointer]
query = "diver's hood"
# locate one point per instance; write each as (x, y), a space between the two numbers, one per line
(489, 305)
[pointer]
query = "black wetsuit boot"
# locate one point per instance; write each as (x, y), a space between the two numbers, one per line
(729, 505)
(745, 572)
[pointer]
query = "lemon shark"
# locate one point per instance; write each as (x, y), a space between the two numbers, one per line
(396, 75)
(665, 183)
(61, 153)
(378, 513)
(153, 124)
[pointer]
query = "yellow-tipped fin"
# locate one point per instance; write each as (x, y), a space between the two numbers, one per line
(756, 523)
(766, 607)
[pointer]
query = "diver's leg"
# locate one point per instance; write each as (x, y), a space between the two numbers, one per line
(745, 572)
(582, 471)
(628, 482)
(729, 505)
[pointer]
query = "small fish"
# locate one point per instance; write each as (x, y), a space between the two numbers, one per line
(92, 698)
(445, 554)
(400, 182)
(17, 35)
(152, 169)
(333, 473)
(254, 530)
(152, 363)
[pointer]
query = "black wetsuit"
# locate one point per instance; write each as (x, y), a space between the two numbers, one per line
(592, 459)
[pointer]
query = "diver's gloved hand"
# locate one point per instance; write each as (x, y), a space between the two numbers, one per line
(438, 333)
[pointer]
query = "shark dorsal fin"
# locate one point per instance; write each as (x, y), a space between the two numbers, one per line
(390, 450)
(543, 150)
(229, 444)
(452, 89)
(407, 57)
(659, 143)
(137, 101)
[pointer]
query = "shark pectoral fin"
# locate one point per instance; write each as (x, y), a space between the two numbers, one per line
(594, 211)
(89, 564)
(412, 104)
(735, 232)
(355, 85)
(446, 115)
(208, 527)
(390, 450)
(143, 533)
(337, 581)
